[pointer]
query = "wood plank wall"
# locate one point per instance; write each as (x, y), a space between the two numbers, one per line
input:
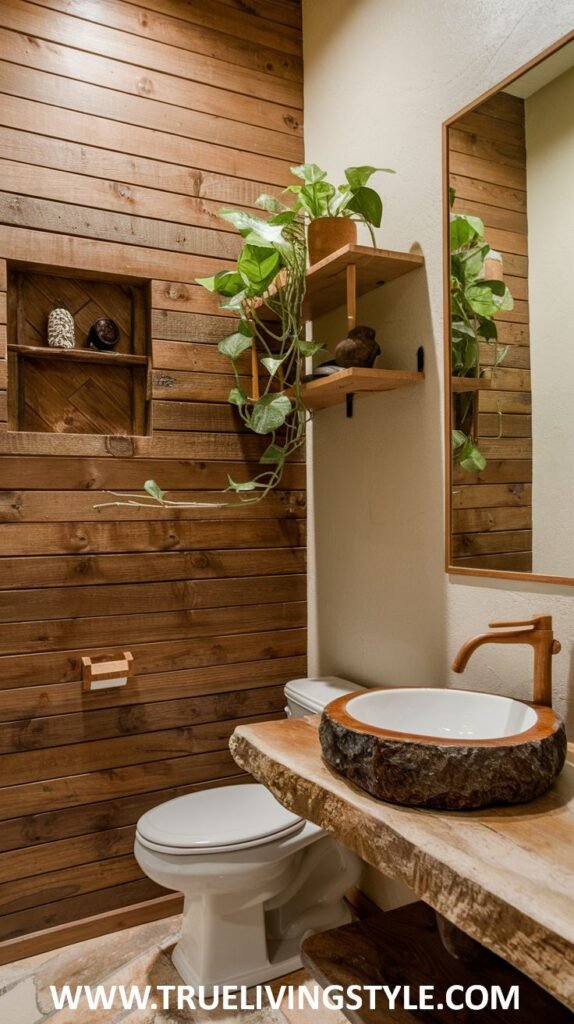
(492, 513)
(123, 129)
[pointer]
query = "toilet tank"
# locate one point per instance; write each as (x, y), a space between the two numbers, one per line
(310, 695)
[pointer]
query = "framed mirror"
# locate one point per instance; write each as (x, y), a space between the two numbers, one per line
(509, 325)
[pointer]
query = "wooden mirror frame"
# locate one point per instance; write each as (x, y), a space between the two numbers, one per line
(449, 567)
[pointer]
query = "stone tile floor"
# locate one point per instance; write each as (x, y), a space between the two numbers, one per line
(136, 956)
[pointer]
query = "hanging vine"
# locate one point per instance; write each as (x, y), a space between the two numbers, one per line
(266, 289)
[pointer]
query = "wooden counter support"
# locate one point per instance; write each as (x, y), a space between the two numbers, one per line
(505, 876)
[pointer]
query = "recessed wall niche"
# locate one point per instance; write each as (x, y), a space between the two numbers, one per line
(79, 390)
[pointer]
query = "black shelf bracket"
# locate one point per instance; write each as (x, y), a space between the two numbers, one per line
(349, 402)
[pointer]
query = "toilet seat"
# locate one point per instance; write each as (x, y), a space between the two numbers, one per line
(221, 820)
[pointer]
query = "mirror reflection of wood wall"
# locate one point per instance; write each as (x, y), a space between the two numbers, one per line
(492, 511)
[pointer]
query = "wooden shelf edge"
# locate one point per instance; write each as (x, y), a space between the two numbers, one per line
(328, 276)
(327, 391)
(79, 355)
(352, 253)
(327, 282)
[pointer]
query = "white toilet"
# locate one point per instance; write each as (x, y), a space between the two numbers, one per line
(256, 878)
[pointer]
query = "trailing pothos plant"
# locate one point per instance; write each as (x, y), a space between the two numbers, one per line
(265, 289)
(475, 301)
(269, 277)
(355, 199)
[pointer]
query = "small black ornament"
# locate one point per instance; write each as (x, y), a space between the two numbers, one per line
(104, 335)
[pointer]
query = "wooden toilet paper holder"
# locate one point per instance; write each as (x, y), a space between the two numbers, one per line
(105, 675)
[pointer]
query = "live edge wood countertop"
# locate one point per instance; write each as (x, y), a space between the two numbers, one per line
(505, 875)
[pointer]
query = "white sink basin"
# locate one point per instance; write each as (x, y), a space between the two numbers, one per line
(450, 714)
(444, 749)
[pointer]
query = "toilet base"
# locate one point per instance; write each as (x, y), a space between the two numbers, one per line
(258, 976)
(247, 910)
(253, 935)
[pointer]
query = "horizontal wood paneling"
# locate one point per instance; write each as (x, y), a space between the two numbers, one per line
(490, 543)
(75, 506)
(150, 716)
(49, 216)
(511, 561)
(97, 475)
(119, 171)
(200, 652)
(66, 698)
(182, 741)
(498, 471)
(100, 631)
(73, 570)
(128, 79)
(92, 786)
(85, 190)
(491, 495)
(163, 445)
(55, 603)
(145, 112)
(187, 77)
(492, 511)
(89, 821)
(118, 919)
(123, 129)
(229, 35)
(54, 539)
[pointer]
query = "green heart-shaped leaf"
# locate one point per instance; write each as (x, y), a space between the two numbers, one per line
(273, 455)
(154, 490)
(269, 413)
(359, 176)
(234, 345)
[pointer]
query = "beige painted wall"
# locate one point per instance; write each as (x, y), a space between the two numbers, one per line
(550, 176)
(380, 77)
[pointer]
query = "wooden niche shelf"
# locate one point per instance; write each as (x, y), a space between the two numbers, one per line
(79, 390)
(352, 271)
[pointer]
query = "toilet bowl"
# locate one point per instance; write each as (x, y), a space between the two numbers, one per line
(256, 878)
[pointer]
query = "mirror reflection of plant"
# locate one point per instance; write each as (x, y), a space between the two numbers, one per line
(317, 197)
(475, 301)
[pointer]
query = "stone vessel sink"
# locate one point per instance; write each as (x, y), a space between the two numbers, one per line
(443, 749)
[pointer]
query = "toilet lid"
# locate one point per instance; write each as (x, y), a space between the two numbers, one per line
(224, 818)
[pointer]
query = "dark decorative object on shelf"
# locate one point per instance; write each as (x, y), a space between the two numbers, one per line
(61, 329)
(104, 334)
(360, 348)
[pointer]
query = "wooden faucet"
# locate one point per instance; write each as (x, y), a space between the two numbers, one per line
(539, 635)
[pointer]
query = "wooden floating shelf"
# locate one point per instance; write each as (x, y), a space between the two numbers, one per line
(332, 390)
(327, 280)
(403, 948)
(82, 355)
(459, 385)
